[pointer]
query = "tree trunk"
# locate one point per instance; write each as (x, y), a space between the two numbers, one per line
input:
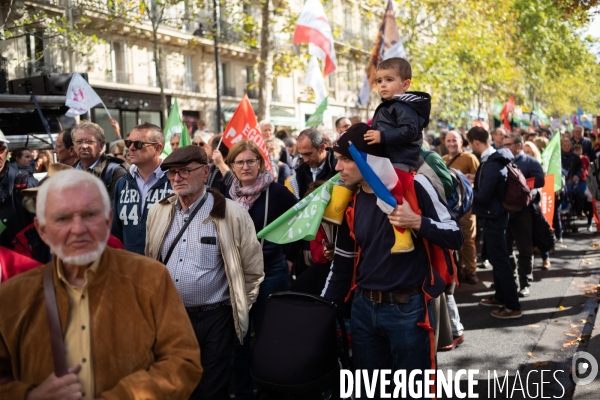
(158, 67)
(265, 65)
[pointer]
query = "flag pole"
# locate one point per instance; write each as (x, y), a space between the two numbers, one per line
(109, 116)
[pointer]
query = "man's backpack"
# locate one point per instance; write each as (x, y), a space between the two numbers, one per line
(593, 179)
(518, 193)
(461, 201)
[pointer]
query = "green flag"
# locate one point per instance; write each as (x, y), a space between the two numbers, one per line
(174, 126)
(498, 106)
(317, 118)
(551, 161)
(542, 117)
(303, 220)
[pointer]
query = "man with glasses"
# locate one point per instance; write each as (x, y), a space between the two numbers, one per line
(13, 215)
(520, 224)
(318, 162)
(89, 145)
(201, 138)
(209, 246)
(145, 184)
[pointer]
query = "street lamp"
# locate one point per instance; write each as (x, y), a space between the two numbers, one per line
(217, 34)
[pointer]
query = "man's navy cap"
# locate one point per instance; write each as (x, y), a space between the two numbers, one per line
(356, 135)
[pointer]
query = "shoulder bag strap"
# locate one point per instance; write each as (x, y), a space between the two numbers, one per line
(184, 227)
(56, 337)
(454, 159)
(262, 240)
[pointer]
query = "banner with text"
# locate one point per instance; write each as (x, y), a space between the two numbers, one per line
(244, 126)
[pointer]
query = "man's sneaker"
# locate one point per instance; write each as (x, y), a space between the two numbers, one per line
(546, 264)
(503, 313)
(491, 302)
(559, 240)
(524, 292)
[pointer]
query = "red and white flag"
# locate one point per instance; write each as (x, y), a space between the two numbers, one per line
(313, 28)
(81, 97)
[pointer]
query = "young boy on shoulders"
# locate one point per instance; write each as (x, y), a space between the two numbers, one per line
(399, 120)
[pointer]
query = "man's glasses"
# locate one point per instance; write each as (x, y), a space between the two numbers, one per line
(2, 147)
(86, 142)
(201, 144)
(183, 173)
(240, 164)
(137, 144)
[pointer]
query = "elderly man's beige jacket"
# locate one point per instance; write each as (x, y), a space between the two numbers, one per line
(241, 250)
(143, 344)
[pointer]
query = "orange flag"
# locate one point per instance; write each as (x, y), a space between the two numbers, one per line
(596, 210)
(547, 203)
(244, 126)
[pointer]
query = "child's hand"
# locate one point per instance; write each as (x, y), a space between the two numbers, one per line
(373, 136)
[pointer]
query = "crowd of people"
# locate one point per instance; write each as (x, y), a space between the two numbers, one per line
(160, 280)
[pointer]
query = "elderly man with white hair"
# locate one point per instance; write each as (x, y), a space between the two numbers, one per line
(119, 330)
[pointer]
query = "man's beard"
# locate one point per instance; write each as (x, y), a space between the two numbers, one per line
(80, 259)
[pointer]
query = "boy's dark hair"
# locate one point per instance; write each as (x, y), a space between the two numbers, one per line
(577, 147)
(313, 186)
(479, 134)
(400, 65)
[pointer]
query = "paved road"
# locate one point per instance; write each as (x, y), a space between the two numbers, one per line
(558, 320)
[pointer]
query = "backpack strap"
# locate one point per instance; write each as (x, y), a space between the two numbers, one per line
(350, 220)
(454, 159)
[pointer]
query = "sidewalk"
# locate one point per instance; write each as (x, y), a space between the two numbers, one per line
(558, 319)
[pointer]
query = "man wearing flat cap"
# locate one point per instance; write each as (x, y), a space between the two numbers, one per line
(389, 324)
(209, 246)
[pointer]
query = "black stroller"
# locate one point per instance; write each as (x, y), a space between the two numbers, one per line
(296, 355)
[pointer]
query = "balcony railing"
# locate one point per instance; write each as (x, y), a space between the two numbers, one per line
(119, 76)
(229, 91)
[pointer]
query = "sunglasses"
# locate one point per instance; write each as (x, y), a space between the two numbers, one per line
(201, 144)
(2, 147)
(137, 144)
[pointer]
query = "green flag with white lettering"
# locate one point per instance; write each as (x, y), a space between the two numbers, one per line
(551, 161)
(317, 118)
(303, 220)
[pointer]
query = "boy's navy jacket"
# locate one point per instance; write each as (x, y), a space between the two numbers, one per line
(401, 120)
(129, 221)
(490, 185)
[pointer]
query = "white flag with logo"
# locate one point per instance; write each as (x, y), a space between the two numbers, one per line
(80, 96)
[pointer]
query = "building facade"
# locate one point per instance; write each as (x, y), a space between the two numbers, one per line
(121, 65)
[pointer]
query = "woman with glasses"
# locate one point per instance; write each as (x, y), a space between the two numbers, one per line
(255, 189)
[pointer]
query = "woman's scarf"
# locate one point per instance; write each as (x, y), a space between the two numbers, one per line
(247, 195)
